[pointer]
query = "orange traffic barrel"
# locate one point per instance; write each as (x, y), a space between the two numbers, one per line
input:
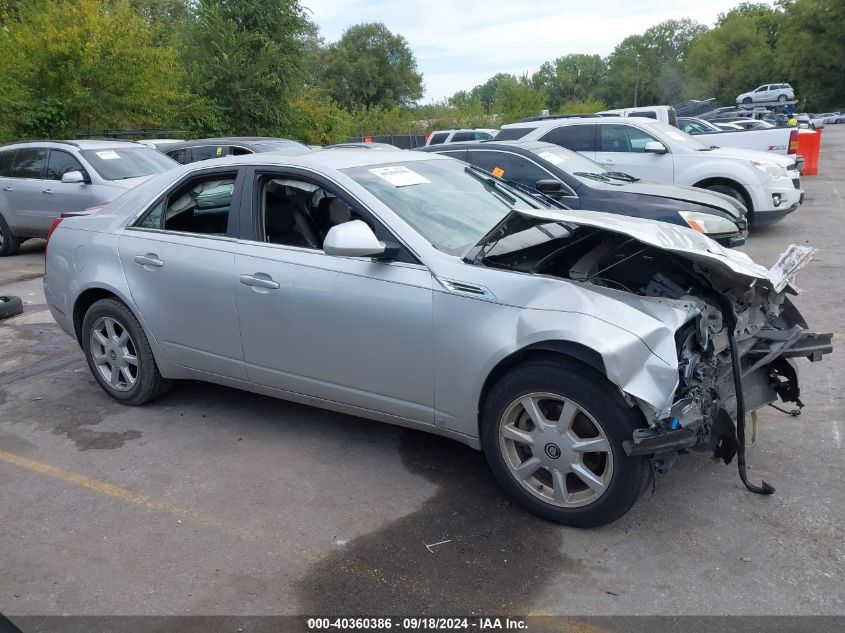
(809, 144)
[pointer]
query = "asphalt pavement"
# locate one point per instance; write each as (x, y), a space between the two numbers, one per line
(213, 501)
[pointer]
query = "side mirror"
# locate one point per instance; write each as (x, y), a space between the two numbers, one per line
(356, 239)
(73, 177)
(549, 186)
(655, 147)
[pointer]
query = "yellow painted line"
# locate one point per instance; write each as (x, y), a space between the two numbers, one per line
(122, 494)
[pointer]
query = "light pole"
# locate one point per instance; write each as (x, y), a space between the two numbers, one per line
(637, 80)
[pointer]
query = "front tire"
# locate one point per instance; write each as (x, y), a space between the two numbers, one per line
(119, 354)
(9, 244)
(747, 100)
(552, 432)
(782, 98)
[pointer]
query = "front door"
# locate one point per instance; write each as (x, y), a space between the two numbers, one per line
(179, 264)
(62, 197)
(345, 329)
(622, 148)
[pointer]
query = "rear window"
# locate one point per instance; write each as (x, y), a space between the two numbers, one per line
(6, 160)
(647, 114)
(513, 133)
(578, 138)
(463, 136)
(29, 163)
(121, 163)
(437, 139)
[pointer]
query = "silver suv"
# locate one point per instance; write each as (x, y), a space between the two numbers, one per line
(462, 135)
(766, 93)
(40, 180)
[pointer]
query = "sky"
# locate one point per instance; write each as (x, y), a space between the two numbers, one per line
(460, 44)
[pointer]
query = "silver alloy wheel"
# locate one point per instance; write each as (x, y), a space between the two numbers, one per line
(115, 354)
(556, 450)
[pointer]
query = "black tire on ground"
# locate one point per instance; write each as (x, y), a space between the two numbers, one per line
(747, 100)
(149, 383)
(9, 244)
(10, 306)
(594, 394)
(781, 98)
(733, 192)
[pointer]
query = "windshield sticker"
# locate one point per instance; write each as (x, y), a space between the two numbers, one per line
(498, 172)
(554, 159)
(108, 155)
(220, 151)
(674, 135)
(399, 176)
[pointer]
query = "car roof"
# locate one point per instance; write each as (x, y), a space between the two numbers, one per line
(518, 145)
(224, 140)
(80, 143)
(321, 158)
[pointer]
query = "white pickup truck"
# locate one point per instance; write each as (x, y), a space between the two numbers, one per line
(779, 140)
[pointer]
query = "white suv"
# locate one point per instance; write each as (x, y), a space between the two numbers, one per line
(768, 185)
(457, 136)
(767, 93)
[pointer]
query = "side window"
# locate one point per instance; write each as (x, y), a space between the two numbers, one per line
(179, 155)
(510, 167)
(621, 138)
(199, 206)
(205, 152)
(579, 138)
(29, 163)
(762, 89)
(239, 151)
(60, 163)
(438, 138)
(647, 114)
(483, 136)
(7, 158)
(463, 136)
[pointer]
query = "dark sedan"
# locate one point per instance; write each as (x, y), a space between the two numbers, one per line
(574, 181)
(205, 148)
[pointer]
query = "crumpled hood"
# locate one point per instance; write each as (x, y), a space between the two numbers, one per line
(681, 241)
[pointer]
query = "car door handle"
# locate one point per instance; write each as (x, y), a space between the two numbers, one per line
(150, 259)
(49, 192)
(259, 280)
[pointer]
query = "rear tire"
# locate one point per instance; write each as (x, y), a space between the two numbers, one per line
(747, 100)
(9, 244)
(119, 354)
(552, 432)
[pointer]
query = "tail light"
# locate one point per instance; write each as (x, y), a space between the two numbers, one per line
(793, 142)
(52, 228)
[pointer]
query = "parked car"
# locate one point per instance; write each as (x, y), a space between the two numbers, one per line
(551, 171)
(831, 118)
(382, 284)
(762, 138)
(751, 124)
(458, 136)
(767, 184)
(40, 180)
(207, 148)
(817, 121)
(663, 113)
(155, 143)
(767, 93)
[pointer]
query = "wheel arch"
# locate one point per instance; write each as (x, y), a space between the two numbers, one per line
(543, 350)
(85, 300)
(728, 182)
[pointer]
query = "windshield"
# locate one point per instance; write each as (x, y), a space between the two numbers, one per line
(678, 137)
(575, 164)
(121, 163)
(448, 203)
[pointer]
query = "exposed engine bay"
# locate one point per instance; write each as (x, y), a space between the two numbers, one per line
(733, 320)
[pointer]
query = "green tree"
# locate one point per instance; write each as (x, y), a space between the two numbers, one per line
(166, 17)
(371, 66)
(571, 77)
(517, 98)
(247, 58)
(318, 120)
(73, 65)
(649, 69)
(811, 51)
(486, 92)
(736, 56)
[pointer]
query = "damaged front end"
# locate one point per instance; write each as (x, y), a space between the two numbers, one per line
(740, 333)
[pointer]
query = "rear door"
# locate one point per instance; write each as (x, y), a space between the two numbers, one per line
(178, 258)
(62, 197)
(23, 191)
(580, 137)
(622, 148)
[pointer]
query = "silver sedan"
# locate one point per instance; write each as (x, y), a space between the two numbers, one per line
(581, 351)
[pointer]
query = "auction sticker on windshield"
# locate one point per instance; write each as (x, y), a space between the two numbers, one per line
(399, 176)
(554, 159)
(108, 155)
